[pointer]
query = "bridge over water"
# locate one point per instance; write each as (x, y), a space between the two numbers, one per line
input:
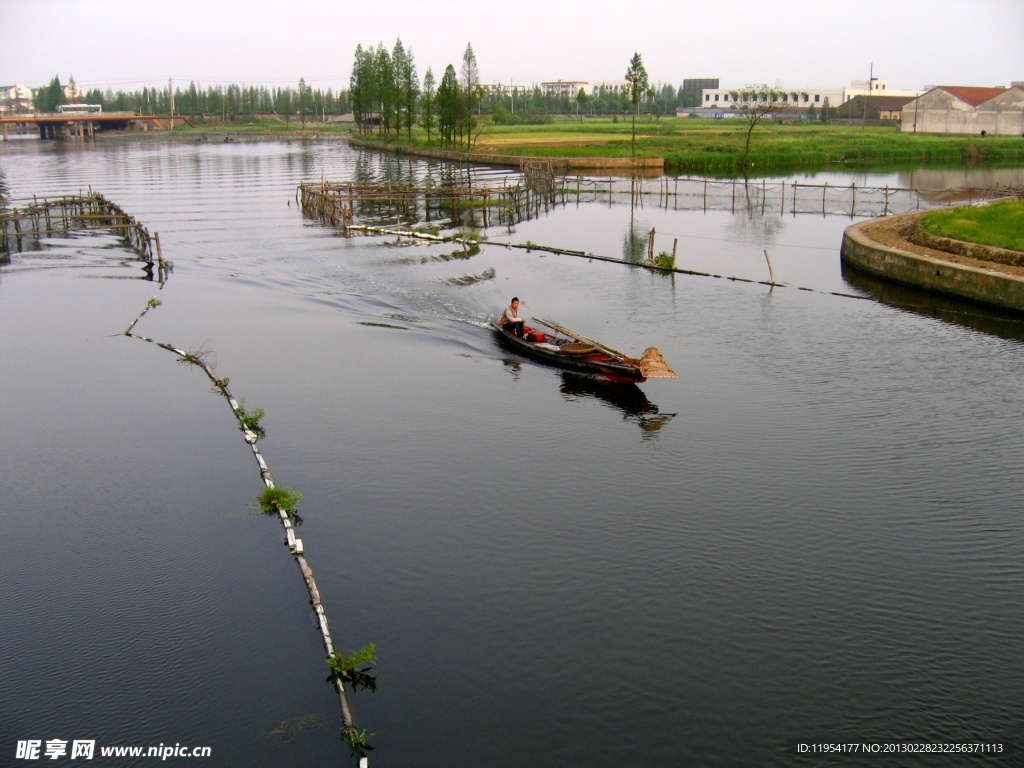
(52, 125)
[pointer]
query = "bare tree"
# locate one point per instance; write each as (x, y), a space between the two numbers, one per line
(755, 103)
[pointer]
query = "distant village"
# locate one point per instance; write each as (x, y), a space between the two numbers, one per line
(944, 109)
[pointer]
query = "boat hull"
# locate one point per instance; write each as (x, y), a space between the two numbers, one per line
(595, 363)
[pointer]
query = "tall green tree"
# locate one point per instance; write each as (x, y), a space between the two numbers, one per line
(359, 87)
(385, 78)
(826, 112)
(581, 102)
(406, 86)
(427, 102)
(410, 90)
(448, 105)
(49, 98)
(471, 91)
(639, 85)
(399, 60)
(303, 101)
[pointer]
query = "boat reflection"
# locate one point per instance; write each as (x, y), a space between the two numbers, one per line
(976, 316)
(625, 397)
(515, 367)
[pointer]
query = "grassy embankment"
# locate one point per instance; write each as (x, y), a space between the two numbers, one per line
(716, 146)
(1000, 225)
(261, 125)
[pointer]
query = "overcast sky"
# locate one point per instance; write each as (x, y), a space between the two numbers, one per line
(128, 44)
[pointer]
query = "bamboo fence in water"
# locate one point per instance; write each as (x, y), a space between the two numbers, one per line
(33, 219)
(341, 204)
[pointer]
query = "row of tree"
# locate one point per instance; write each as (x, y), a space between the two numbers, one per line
(387, 99)
(385, 95)
(228, 102)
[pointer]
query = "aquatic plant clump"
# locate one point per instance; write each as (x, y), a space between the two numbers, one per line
(346, 667)
(249, 420)
(357, 740)
(278, 497)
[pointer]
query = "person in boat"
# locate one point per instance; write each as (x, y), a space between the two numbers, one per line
(510, 320)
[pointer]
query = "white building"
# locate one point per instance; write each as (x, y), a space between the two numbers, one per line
(15, 99)
(804, 98)
(563, 88)
(73, 93)
(500, 89)
(609, 86)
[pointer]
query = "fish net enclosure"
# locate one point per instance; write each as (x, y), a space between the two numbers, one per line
(538, 174)
(780, 197)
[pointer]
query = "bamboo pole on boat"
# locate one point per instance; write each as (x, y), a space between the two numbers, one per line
(651, 364)
(578, 337)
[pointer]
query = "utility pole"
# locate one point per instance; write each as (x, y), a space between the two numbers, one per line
(170, 94)
(871, 78)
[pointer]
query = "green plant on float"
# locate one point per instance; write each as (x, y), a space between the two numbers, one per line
(663, 260)
(201, 356)
(354, 668)
(470, 250)
(250, 420)
(341, 665)
(278, 497)
(357, 740)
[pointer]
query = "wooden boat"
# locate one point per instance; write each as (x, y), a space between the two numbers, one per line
(568, 349)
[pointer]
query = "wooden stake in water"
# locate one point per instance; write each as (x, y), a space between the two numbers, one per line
(771, 273)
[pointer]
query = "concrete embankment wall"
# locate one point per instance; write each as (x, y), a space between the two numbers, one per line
(616, 164)
(977, 284)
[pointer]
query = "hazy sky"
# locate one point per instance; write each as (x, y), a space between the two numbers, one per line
(127, 44)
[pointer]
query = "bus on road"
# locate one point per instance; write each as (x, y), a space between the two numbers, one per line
(79, 109)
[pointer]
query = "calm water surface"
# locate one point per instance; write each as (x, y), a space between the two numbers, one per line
(814, 534)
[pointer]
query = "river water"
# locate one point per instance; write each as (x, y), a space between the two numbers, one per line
(815, 534)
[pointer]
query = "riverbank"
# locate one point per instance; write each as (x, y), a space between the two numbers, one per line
(643, 165)
(896, 249)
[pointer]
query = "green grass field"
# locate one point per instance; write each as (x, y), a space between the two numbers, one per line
(1001, 224)
(709, 146)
